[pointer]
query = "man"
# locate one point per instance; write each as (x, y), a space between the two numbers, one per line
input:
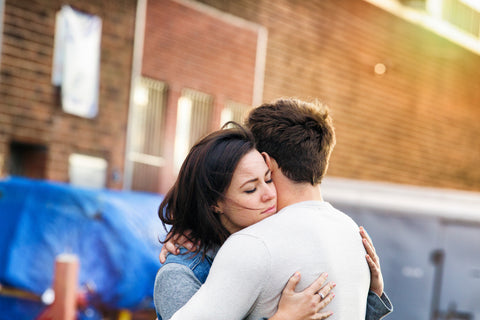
(306, 235)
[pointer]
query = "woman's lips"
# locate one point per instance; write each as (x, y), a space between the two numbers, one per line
(270, 210)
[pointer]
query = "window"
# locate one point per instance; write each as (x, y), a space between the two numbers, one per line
(87, 171)
(234, 111)
(417, 4)
(28, 160)
(146, 135)
(194, 117)
(462, 15)
(455, 20)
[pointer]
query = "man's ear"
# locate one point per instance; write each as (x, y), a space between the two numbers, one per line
(271, 163)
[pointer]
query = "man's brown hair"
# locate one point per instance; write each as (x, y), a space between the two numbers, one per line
(299, 135)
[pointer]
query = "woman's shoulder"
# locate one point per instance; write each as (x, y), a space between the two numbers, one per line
(188, 264)
(172, 274)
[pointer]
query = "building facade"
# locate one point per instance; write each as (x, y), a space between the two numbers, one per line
(404, 98)
(37, 137)
(401, 79)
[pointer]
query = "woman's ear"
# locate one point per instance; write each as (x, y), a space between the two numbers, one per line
(271, 163)
(216, 209)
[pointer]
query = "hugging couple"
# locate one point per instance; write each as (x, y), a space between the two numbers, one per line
(251, 236)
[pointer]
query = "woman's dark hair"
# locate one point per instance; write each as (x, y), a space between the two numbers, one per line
(202, 181)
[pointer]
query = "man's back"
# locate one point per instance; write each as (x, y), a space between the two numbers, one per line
(312, 237)
(253, 266)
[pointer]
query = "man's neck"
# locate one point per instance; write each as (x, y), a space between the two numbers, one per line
(289, 192)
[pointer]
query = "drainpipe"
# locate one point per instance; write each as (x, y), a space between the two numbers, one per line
(437, 258)
(135, 74)
(260, 60)
(2, 13)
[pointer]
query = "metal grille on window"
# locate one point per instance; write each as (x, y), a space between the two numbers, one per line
(194, 117)
(234, 111)
(461, 14)
(147, 134)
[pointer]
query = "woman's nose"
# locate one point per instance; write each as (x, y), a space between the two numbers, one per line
(269, 194)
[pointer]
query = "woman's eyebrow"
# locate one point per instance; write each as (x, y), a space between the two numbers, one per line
(251, 180)
(254, 179)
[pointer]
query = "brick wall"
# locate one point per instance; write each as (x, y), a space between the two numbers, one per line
(195, 47)
(30, 110)
(416, 124)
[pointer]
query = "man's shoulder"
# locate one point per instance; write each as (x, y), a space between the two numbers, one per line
(319, 209)
(289, 214)
(308, 205)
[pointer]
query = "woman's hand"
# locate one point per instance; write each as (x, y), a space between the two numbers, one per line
(305, 305)
(376, 278)
(173, 245)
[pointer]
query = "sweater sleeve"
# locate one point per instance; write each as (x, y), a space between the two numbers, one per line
(175, 284)
(377, 307)
(234, 283)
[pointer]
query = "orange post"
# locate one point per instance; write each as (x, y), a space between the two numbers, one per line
(65, 285)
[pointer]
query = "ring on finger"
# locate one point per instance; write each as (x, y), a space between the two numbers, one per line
(321, 295)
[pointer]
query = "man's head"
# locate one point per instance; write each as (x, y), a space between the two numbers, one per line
(298, 135)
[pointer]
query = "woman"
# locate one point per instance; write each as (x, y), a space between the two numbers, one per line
(223, 186)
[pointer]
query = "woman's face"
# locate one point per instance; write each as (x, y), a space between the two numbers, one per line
(251, 196)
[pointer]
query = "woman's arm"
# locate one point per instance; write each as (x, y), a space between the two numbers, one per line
(378, 303)
(376, 282)
(172, 246)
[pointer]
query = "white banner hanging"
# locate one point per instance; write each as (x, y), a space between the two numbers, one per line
(76, 61)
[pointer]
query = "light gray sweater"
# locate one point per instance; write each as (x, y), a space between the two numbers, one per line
(252, 267)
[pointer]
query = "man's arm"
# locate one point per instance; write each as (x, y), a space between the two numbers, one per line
(234, 283)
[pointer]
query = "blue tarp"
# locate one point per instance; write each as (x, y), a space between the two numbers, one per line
(115, 234)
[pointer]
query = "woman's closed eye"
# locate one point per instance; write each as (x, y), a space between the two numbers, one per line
(268, 176)
(251, 190)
